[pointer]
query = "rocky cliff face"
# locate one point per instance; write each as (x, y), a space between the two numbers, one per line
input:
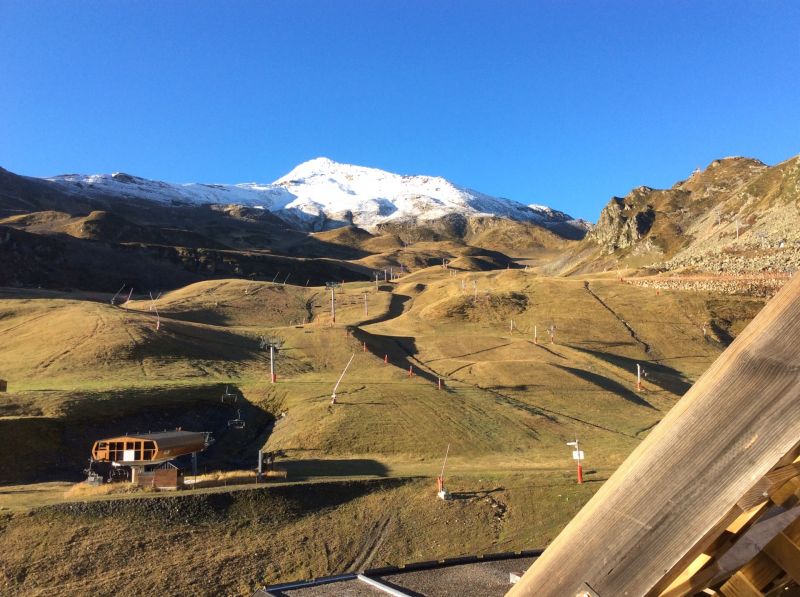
(624, 221)
(737, 215)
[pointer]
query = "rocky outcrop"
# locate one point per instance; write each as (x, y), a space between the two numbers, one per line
(736, 216)
(624, 221)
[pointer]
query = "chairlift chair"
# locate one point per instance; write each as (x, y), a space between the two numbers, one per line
(238, 422)
(229, 396)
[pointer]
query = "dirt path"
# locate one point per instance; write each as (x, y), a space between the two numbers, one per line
(372, 542)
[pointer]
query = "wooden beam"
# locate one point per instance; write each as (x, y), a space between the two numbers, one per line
(740, 586)
(786, 554)
(729, 430)
(759, 571)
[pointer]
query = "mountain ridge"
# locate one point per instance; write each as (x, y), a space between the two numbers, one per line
(737, 215)
(321, 194)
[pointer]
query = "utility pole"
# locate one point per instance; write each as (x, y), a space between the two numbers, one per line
(333, 286)
(273, 344)
(366, 307)
(638, 377)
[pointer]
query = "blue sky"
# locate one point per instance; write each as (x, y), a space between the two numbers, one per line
(557, 102)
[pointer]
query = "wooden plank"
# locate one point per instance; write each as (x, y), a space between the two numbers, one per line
(793, 531)
(689, 582)
(783, 494)
(729, 430)
(760, 571)
(745, 518)
(740, 586)
(710, 544)
(746, 552)
(786, 554)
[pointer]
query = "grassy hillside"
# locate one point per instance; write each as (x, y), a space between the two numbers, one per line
(79, 369)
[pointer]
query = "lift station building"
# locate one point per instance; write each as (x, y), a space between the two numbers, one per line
(143, 452)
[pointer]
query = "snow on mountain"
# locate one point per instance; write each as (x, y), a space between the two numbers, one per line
(551, 217)
(119, 184)
(321, 194)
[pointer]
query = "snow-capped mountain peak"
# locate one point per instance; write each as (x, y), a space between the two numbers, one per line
(320, 166)
(322, 193)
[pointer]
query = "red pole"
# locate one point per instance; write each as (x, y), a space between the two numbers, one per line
(365, 346)
(580, 472)
(440, 384)
(410, 370)
(274, 377)
(386, 359)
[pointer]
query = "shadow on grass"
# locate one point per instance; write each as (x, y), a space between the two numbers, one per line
(198, 315)
(607, 384)
(664, 377)
(303, 470)
(552, 352)
(468, 495)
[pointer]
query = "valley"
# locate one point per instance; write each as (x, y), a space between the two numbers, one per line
(80, 368)
(493, 336)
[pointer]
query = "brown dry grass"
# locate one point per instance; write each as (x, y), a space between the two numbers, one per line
(508, 407)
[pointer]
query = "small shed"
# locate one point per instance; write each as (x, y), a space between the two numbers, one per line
(164, 476)
(149, 448)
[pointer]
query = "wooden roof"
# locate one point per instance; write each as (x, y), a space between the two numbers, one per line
(164, 439)
(712, 489)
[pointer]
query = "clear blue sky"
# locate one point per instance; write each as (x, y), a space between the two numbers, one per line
(559, 102)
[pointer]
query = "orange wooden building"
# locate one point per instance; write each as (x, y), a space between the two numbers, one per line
(141, 449)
